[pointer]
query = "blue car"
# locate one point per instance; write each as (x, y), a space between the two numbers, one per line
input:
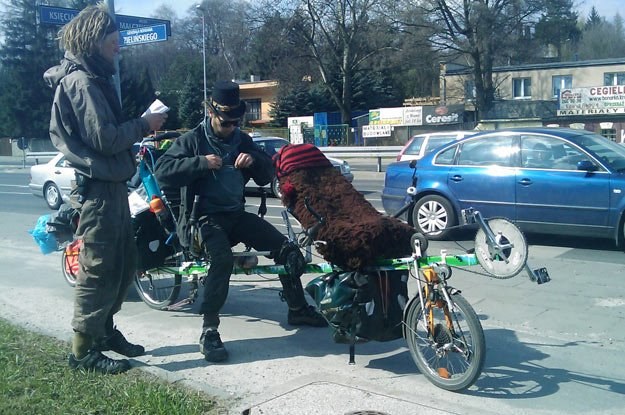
(546, 180)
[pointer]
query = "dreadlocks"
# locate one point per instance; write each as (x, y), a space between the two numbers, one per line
(82, 35)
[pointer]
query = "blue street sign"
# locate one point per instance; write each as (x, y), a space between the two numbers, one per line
(61, 15)
(133, 22)
(56, 15)
(141, 35)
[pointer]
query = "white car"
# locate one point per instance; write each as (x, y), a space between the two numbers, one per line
(421, 144)
(271, 145)
(52, 181)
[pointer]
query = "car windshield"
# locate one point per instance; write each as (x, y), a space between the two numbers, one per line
(608, 152)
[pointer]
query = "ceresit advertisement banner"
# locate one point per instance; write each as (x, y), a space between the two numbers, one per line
(443, 114)
(599, 100)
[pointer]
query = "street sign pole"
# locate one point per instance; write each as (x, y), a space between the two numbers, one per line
(116, 77)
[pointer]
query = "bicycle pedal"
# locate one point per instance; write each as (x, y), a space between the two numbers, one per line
(540, 275)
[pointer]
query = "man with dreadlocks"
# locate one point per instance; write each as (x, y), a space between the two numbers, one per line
(87, 125)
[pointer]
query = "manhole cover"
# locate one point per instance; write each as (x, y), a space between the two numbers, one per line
(366, 412)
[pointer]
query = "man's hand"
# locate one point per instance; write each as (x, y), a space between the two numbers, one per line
(155, 120)
(214, 162)
(243, 161)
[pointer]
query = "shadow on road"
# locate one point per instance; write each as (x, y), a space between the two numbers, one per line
(512, 370)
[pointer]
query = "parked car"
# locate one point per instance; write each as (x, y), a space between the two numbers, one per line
(421, 144)
(546, 180)
(52, 180)
(271, 145)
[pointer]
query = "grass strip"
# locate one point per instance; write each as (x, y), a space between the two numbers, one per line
(36, 379)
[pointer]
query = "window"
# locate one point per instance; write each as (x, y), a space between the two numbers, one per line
(521, 88)
(609, 133)
(550, 153)
(253, 110)
(469, 90)
(487, 151)
(614, 78)
(561, 82)
(446, 157)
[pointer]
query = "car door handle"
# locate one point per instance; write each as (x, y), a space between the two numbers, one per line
(525, 182)
(57, 172)
(456, 178)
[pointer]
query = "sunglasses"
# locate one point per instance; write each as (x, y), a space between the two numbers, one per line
(229, 123)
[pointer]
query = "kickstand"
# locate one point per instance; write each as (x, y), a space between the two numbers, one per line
(352, 351)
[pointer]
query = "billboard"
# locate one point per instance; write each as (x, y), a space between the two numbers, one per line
(597, 100)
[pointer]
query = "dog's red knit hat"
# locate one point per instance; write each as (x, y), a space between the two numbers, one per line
(292, 157)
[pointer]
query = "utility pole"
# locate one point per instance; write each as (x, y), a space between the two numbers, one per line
(199, 7)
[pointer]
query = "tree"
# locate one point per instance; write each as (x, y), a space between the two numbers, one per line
(190, 111)
(27, 52)
(602, 40)
(479, 33)
(340, 36)
(558, 26)
(593, 19)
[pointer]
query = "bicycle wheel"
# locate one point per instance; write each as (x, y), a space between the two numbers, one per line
(453, 355)
(69, 263)
(159, 287)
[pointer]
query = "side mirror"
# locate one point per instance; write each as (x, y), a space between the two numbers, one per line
(413, 164)
(586, 165)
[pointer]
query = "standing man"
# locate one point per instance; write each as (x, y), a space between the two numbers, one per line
(87, 125)
(214, 161)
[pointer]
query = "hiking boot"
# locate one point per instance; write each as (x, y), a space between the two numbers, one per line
(95, 361)
(212, 347)
(306, 316)
(118, 343)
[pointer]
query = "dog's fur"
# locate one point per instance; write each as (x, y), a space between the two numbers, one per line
(355, 233)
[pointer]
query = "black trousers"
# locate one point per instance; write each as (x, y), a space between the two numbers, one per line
(218, 234)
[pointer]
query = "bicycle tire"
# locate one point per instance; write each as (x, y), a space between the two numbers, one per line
(66, 267)
(157, 287)
(447, 369)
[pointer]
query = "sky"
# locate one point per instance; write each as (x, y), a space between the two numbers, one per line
(144, 8)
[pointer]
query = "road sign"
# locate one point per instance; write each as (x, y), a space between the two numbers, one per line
(61, 15)
(133, 22)
(141, 35)
(56, 15)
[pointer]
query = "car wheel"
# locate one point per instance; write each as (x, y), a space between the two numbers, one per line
(275, 188)
(52, 195)
(433, 216)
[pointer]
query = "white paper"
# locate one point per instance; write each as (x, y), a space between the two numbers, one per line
(157, 107)
(137, 201)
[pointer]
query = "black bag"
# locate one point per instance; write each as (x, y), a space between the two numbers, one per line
(151, 241)
(362, 306)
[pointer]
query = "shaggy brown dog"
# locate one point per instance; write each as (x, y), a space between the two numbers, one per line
(355, 233)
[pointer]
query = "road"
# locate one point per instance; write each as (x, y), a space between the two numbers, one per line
(552, 349)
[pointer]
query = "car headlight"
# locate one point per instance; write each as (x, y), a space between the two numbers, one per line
(345, 169)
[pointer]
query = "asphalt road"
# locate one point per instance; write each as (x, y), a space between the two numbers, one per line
(552, 349)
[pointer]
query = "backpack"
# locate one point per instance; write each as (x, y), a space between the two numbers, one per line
(362, 306)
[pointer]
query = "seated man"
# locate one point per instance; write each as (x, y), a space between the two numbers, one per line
(540, 157)
(214, 161)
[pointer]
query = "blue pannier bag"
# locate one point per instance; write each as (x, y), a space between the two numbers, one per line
(47, 241)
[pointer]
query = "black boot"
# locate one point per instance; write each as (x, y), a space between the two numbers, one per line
(211, 346)
(116, 342)
(300, 313)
